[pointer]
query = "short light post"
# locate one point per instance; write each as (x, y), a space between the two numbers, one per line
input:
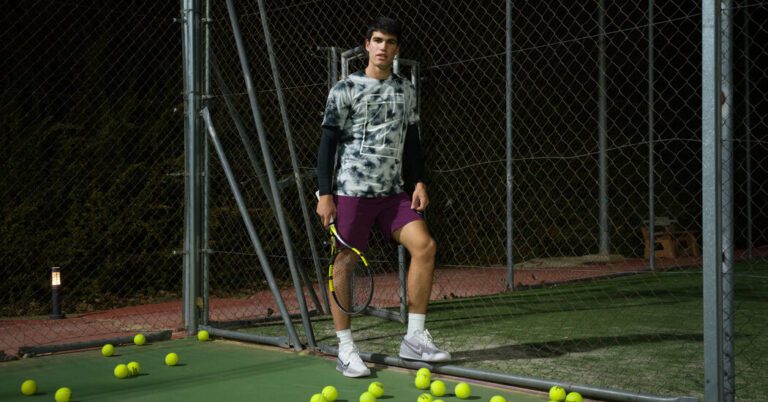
(55, 299)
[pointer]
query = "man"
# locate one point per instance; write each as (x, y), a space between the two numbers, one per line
(371, 127)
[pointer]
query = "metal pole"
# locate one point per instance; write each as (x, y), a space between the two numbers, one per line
(712, 203)
(252, 232)
(727, 122)
(748, 129)
(603, 134)
(266, 156)
(192, 145)
(334, 68)
(509, 128)
(514, 380)
(294, 162)
(402, 289)
(350, 54)
(205, 280)
(651, 167)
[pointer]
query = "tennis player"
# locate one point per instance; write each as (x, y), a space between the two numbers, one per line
(370, 137)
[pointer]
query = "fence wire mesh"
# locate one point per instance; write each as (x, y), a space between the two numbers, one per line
(92, 179)
(92, 170)
(579, 313)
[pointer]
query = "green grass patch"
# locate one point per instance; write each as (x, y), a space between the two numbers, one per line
(640, 333)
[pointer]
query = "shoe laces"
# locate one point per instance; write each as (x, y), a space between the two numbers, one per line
(351, 352)
(426, 337)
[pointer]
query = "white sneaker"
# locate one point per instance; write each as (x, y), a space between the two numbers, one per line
(419, 346)
(350, 364)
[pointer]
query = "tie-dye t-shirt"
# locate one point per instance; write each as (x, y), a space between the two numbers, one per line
(373, 116)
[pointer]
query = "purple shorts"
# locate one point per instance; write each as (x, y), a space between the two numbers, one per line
(355, 217)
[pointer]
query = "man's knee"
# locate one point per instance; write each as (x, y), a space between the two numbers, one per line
(426, 249)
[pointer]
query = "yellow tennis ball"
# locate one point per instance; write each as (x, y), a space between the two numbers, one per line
(498, 398)
(437, 388)
(462, 390)
(121, 371)
(139, 339)
(421, 382)
(367, 397)
(203, 336)
(171, 359)
(330, 393)
(133, 368)
(557, 393)
(63, 394)
(107, 350)
(438, 400)
(318, 398)
(424, 398)
(29, 387)
(574, 397)
(376, 389)
(424, 371)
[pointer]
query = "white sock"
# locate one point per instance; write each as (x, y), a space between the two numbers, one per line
(415, 323)
(345, 339)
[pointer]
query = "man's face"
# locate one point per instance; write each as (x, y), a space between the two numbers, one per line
(382, 48)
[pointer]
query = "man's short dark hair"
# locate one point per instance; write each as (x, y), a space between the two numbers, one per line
(384, 24)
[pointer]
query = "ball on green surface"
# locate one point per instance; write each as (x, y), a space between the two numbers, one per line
(171, 359)
(29, 387)
(133, 368)
(574, 397)
(424, 371)
(63, 394)
(107, 350)
(367, 397)
(318, 398)
(421, 382)
(203, 336)
(330, 393)
(139, 339)
(557, 393)
(376, 389)
(437, 388)
(121, 371)
(498, 398)
(462, 390)
(438, 400)
(425, 398)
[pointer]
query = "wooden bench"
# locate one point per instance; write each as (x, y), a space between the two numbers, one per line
(669, 240)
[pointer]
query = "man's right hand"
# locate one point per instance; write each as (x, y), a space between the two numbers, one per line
(326, 209)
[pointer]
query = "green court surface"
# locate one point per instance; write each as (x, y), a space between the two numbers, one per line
(218, 370)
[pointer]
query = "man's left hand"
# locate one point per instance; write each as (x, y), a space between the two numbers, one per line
(420, 198)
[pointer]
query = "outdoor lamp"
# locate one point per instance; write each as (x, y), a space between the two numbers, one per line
(55, 286)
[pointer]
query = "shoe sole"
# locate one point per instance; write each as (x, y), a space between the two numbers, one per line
(422, 359)
(349, 375)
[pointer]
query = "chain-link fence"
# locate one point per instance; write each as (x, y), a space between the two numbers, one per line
(605, 128)
(92, 170)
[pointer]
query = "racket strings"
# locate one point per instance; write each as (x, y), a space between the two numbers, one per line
(350, 282)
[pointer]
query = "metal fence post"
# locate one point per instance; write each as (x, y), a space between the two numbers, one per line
(508, 113)
(605, 247)
(712, 202)
(193, 149)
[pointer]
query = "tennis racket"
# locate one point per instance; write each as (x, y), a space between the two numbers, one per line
(350, 279)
